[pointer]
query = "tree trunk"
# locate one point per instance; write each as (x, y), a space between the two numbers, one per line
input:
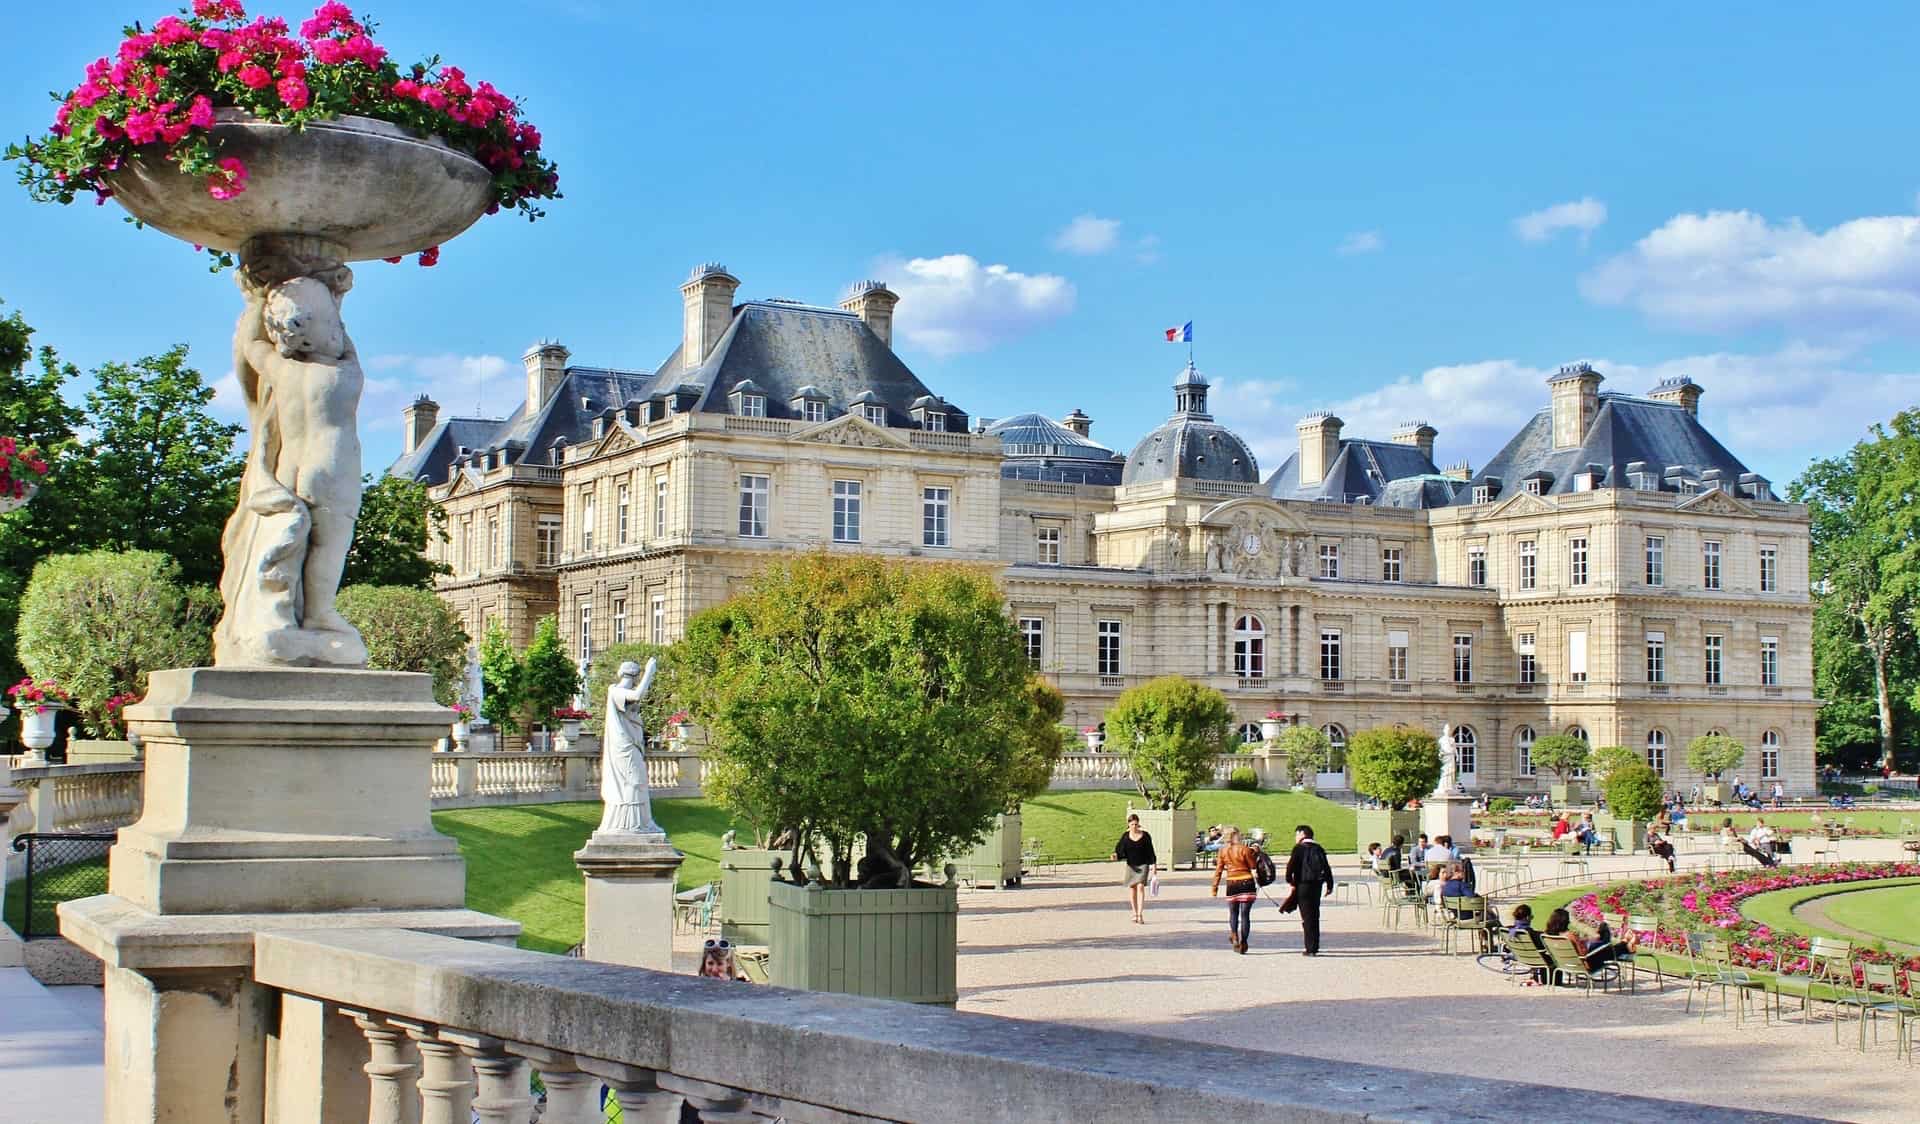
(1883, 696)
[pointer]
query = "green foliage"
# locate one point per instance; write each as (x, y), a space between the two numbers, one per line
(1308, 749)
(1243, 779)
(98, 623)
(1502, 804)
(1602, 762)
(846, 696)
(1172, 728)
(1714, 754)
(1394, 764)
(663, 697)
(1560, 754)
(501, 679)
(548, 677)
(390, 538)
(1039, 744)
(409, 630)
(1635, 791)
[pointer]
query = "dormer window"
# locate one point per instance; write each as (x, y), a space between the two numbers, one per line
(813, 410)
(874, 412)
(1533, 486)
(1689, 487)
(934, 423)
(929, 413)
(1482, 494)
(753, 405)
(1583, 482)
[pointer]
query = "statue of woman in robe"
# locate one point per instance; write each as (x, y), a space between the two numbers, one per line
(623, 766)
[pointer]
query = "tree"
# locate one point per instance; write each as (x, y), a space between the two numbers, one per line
(850, 697)
(1394, 764)
(548, 677)
(398, 519)
(1172, 728)
(1561, 754)
(1635, 791)
(1602, 762)
(1714, 754)
(98, 623)
(409, 630)
(1040, 743)
(1306, 747)
(662, 698)
(501, 679)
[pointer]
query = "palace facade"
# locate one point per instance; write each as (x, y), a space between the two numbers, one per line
(1613, 571)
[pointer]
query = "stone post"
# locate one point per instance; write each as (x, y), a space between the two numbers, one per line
(578, 776)
(11, 950)
(630, 898)
(1449, 814)
(466, 776)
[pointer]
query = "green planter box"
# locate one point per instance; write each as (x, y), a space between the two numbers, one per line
(1630, 834)
(995, 861)
(745, 875)
(1564, 794)
(888, 944)
(1717, 793)
(1172, 833)
(1379, 825)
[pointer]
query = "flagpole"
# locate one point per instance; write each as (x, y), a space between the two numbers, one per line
(1189, 345)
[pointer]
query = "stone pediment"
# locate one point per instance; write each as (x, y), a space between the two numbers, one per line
(464, 481)
(1524, 503)
(1269, 512)
(1255, 538)
(1715, 503)
(616, 440)
(852, 431)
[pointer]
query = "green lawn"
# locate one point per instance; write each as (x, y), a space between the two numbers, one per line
(61, 884)
(1081, 826)
(1883, 822)
(1882, 916)
(1890, 912)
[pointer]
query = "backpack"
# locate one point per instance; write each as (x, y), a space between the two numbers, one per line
(1263, 871)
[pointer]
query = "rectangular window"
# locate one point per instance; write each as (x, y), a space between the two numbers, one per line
(1769, 569)
(619, 620)
(1577, 560)
(546, 540)
(659, 620)
(1533, 489)
(873, 413)
(1657, 752)
(1329, 560)
(1769, 760)
(1529, 667)
(846, 511)
(1047, 545)
(1476, 565)
(1710, 564)
(659, 507)
(493, 543)
(586, 631)
(755, 490)
(1656, 560)
(1108, 655)
(1656, 657)
(1577, 656)
(469, 558)
(934, 423)
(813, 410)
(1769, 661)
(1482, 494)
(1390, 564)
(1462, 657)
(1397, 655)
(753, 405)
(586, 521)
(1526, 747)
(935, 508)
(1032, 632)
(622, 504)
(1712, 651)
(1529, 564)
(1329, 653)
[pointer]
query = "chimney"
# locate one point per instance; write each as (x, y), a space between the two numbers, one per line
(1681, 391)
(546, 364)
(1078, 423)
(1459, 470)
(873, 303)
(1418, 434)
(707, 304)
(1576, 401)
(419, 420)
(1319, 445)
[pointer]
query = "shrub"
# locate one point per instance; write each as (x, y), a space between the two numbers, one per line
(501, 679)
(1394, 764)
(1243, 779)
(1603, 762)
(1635, 791)
(1172, 728)
(548, 677)
(1562, 754)
(1308, 749)
(1500, 805)
(409, 629)
(1714, 754)
(98, 623)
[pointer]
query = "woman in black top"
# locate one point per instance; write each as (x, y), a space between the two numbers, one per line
(1135, 848)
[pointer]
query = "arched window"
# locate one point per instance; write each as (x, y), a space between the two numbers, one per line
(1577, 731)
(1770, 755)
(1249, 648)
(1250, 734)
(1657, 751)
(1466, 749)
(1337, 756)
(1523, 741)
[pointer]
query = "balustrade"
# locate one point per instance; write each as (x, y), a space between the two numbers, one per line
(446, 777)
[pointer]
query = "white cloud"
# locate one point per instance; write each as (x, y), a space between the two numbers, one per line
(464, 386)
(1362, 242)
(1088, 234)
(1583, 215)
(953, 304)
(1729, 270)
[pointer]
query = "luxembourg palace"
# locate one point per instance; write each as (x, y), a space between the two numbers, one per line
(1613, 571)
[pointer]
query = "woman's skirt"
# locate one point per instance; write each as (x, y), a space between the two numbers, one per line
(1137, 875)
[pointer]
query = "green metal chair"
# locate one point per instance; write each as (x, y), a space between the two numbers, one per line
(1717, 952)
(1462, 913)
(1829, 965)
(1570, 968)
(1533, 958)
(1880, 994)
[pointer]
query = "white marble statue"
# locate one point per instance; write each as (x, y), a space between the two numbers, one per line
(286, 542)
(623, 766)
(1449, 764)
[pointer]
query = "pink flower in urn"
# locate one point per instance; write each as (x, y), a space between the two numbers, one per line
(255, 76)
(229, 181)
(200, 113)
(430, 256)
(293, 91)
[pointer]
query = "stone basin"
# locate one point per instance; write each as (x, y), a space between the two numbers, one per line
(368, 186)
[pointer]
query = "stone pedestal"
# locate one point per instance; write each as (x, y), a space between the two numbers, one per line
(630, 898)
(12, 954)
(1449, 814)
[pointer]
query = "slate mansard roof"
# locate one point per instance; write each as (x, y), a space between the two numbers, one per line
(1383, 473)
(1038, 448)
(1663, 444)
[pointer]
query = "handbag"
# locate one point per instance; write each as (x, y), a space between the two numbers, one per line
(1153, 884)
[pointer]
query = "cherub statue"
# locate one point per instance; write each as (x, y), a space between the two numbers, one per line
(287, 540)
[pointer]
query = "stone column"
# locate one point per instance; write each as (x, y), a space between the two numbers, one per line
(630, 898)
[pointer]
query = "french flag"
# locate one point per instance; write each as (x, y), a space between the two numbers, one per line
(1182, 334)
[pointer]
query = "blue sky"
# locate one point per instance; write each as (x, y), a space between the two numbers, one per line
(1406, 213)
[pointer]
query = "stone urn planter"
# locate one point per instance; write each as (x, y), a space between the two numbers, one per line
(11, 503)
(38, 725)
(1172, 832)
(888, 944)
(1093, 740)
(462, 731)
(1380, 825)
(570, 729)
(746, 873)
(1270, 728)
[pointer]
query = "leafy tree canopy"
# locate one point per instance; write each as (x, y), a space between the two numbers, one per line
(1561, 754)
(1394, 764)
(1172, 728)
(409, 630)
(502, 679)
(1306, 747)
(1635, 791)
(1714, 754)
(1602, 762)
(397, 522)
(548, 676)
(663, 698)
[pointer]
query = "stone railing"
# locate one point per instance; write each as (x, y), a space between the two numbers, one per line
(389, 1025)
(99, 796)
(1113, 770)
(476, 780)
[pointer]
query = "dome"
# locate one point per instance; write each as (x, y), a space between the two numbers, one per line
(1190, 445)
(1036, 435)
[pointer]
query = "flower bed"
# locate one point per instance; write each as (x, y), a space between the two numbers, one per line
(1693, 903)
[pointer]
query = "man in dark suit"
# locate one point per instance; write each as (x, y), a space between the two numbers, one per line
(1309, 873)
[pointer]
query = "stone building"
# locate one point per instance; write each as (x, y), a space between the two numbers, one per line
(1613, 571)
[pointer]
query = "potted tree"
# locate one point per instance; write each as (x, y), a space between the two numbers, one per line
(1306, 751)
(867, 710)
(996, 859)
(1564, 755)
(1710, 755)
(1171, 728)
(1634, 796)
(1394, 765)
(548, 678)
(1602, 763)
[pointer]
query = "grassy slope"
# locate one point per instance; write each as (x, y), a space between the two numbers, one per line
(1776, 908)
(1896, 911)
(1081, 826)
(61, 884)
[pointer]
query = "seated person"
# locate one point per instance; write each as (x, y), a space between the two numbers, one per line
(1602, 949)
(1452, 883)
(1522, 930)
(1560, 826)
(1373, 857)
(1660, 848)
(1731, 841)
(1586, 832)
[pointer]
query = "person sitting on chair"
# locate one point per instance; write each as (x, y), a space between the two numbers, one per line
(1596, 952)
(1660, 848)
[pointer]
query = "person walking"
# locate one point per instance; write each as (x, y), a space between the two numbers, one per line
(1309, 873)
(1235, 865)
(1135, 848)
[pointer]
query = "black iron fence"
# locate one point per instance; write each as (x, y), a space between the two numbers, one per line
(61, 866)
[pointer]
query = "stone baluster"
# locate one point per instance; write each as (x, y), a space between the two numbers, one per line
(716, 1104)
(573, 1096)
(642, 1100)
(502, 1095)
(394, 1097)
(446, 1076)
